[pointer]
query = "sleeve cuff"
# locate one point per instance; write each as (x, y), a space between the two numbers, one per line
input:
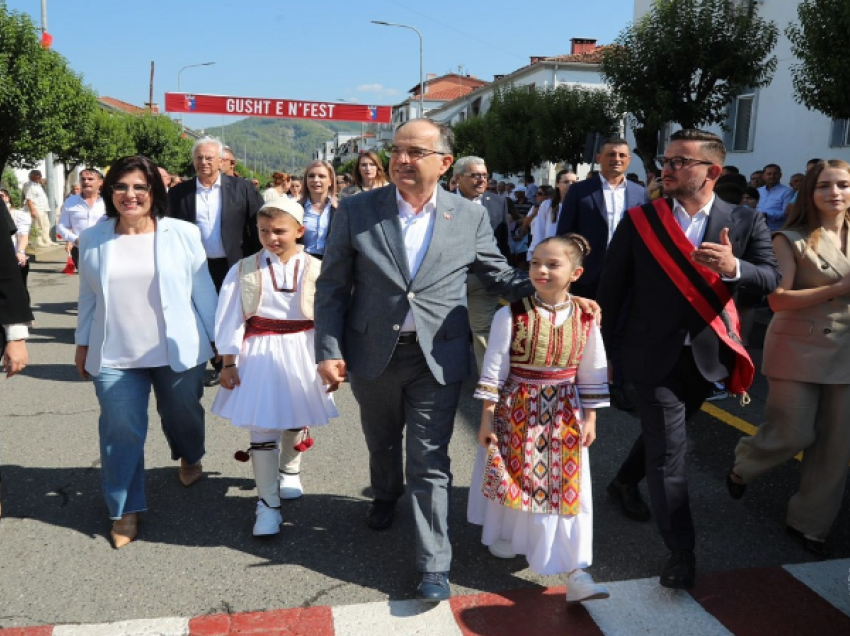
(737, 275)
(17, 332)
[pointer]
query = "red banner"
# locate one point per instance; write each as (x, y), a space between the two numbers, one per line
(282, 108)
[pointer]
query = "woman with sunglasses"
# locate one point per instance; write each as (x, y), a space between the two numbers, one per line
(368, 174)
(146, 319)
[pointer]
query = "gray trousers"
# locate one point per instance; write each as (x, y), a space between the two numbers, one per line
(801, 416)
(482, 306)
(407, 394)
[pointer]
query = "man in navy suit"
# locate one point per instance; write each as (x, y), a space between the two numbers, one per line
(471, 174)
(593, 208)
(225, 210)
(671, 351)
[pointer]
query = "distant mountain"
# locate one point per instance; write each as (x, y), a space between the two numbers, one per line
(266, 145)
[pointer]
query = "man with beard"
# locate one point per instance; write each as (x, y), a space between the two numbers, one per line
(683, 255)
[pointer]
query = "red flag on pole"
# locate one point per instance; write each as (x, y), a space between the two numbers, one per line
(46, 40)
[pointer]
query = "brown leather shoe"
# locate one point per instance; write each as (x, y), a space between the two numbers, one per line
(125, 530)
(188, 474)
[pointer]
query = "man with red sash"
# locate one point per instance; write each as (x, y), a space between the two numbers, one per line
(685, 256)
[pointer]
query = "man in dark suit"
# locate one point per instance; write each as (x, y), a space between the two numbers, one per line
(671, 352)
(391, 310)
(593, 208)
(471, 174)
(225, 210)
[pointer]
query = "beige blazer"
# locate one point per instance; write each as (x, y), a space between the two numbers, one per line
(812, 344)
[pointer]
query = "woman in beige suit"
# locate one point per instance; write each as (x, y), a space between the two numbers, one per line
(807, 358)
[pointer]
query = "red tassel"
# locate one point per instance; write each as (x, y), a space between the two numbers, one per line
(306, 442)
(69, 267)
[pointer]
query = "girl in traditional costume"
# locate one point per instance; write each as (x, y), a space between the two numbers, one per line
(264, 330)
(544, 376)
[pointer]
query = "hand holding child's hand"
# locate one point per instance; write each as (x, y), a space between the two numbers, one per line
(229, 378)
(588, 433)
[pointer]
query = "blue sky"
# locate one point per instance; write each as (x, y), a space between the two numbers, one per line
(315, 51)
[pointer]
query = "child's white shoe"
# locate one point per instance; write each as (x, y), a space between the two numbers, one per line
(268, 520)
(581, 587)
(502, 549)
(290, 486)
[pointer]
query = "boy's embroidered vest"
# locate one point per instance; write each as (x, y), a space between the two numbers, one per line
(537, 342)
(251, 283)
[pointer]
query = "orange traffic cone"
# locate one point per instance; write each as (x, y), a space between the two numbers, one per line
(69, 267)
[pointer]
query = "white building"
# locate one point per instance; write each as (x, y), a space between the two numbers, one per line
(579, 68)
(767, 125)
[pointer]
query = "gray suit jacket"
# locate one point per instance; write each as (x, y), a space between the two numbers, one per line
(365, 290)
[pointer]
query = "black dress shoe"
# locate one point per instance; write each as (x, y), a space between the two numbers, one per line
(381, 514)
(680, 571)
(213, 379)
(620, 399)
(630, 500)
(434, 587)
(736, 490)
(818, 548)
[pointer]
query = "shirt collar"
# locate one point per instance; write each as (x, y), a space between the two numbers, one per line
(607, 184)
(406, 210)
(217, 183)
(706, 209)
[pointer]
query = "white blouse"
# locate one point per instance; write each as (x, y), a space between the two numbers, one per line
(591, 375)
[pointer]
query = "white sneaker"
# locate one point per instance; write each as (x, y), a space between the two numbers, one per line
(502, 549)
(268, 520)
(580, 587)
(290, 486)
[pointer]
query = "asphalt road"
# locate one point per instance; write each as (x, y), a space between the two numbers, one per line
(195, 553)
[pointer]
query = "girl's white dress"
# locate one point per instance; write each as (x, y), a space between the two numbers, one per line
(280, 388)
(552, 543)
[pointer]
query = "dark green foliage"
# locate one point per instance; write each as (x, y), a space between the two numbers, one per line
(822, 78)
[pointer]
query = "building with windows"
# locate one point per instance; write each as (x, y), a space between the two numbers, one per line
(767, 125)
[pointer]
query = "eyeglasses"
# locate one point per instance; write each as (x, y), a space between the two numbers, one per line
(414, 153)
(476, 176)
(137, 189)
(677, 163)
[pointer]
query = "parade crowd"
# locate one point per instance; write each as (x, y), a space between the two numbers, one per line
(564, 298)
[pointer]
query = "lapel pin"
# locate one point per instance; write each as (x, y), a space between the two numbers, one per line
(447, 216)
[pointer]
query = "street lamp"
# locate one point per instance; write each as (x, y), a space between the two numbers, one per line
(179, 73)
(421, 76)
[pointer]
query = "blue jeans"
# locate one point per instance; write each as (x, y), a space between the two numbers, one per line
(124, 395)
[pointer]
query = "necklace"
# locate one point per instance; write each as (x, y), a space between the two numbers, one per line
(553, 308)
(274, 280)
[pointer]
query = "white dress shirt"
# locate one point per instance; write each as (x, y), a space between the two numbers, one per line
(76, 216)
(416, 229)
(208, 217)
(615, 203)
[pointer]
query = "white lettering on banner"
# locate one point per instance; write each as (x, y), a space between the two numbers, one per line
(316, 111)
(248, 106)
(293, 109)
(278, 108)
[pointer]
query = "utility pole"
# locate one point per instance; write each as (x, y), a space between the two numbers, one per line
(48, 160)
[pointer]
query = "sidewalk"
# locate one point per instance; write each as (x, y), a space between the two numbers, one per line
(810, 598)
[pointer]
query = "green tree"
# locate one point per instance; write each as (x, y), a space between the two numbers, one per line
(160, 139)
(96, 139)
(511, 144)
(40, 97)
(822, 78)
(684, 61)
(567, 115)
(10, 182)
(471, 137)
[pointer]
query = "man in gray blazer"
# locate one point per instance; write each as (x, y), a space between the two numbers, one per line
(391, 312)
(471, 174)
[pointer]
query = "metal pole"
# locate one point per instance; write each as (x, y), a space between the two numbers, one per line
(179, 90)
(49, 168)
(421, 61)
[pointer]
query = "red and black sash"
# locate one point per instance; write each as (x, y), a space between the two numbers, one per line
(701, 287)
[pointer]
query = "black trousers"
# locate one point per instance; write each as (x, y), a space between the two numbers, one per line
(659, 451)
(218, 272)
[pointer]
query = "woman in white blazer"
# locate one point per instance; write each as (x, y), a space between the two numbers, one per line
(146, 319)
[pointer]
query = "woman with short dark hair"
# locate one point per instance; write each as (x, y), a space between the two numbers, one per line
(146, 319)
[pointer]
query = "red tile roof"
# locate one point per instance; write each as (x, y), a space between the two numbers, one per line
(117, 104)
(448, 94)
(589, 57)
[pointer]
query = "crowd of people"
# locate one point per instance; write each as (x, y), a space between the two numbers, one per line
(574, 296)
